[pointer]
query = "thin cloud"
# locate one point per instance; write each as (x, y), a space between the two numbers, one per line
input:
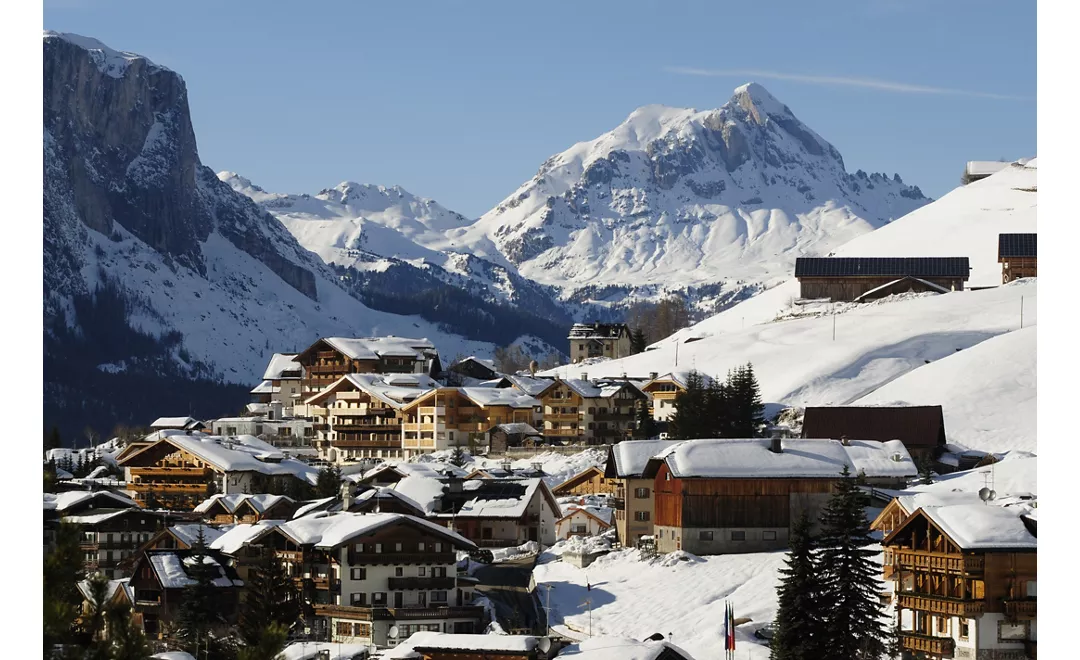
(845, 81)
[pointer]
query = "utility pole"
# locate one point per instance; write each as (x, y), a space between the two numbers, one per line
(834, 326)
(1021, 312)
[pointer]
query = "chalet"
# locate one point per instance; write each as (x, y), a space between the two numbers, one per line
(515, 434)
(742, 495)
(330, 358)
(177, 424)
(182, 537)
(474, 367)
(920, 428)
(360, 415)
(434, 645)
(119, 596)
(600, 412)
(964, 581)
(282, 433)
(281, 387)
(633, 500)
(365, 499)
(589, 481)
(108, 537)
(530, 385)
(662, 391)
(592, 340)
(158, 587)
(582, 521)
(867, 278)
(461, 417)
(178, 471)
(608, 648)
(499, 513)
(1017, 256)
(364, 574)
(242, 508)
(976, 170)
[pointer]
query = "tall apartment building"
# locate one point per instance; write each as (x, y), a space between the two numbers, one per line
(584, 411)
(461, 416)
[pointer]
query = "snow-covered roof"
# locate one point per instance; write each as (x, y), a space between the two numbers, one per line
(283, 366)
(617, 648)
(588, 389)
(603, 514)
(631, 456)
(463, 643)
(242, 453)
(422, 490)
(528, 384)
(329, 530)
(335, 651)
(372, 348)
(310, 506)
(110, 587)
(983, 527)
(518, 427)
(173, 655)
(752, 457)
(880, 459)
(261, 502)
(680, 378)
(499, 396)
(240, 535)
(501, 506)
(189, 533)
(265, 387)
(174, 423)
(395, 390)
(61, 502)
(984, 167)
(94, 517)
(171, 571)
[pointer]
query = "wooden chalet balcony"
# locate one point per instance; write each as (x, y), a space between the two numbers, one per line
(397, 613)
(1020, 609)
(614, 417)
(290, 555)
(170, 471)
(442, 558)
(473, 427)
(348, 443)
(402, 583)
(939, 646)
(940, 604)
(166, 487)
(396, 426)
(907, 559)
(561, 417)
(327, 368)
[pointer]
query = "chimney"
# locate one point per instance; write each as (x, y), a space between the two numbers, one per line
(774, 445)
(346, 497)
(844, 440)
(584, 375)
(454, 484)
(653, 375)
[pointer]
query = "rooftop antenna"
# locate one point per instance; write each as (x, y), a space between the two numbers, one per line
(987, 493)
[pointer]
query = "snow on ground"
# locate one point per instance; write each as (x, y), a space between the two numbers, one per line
(527, 549)
(557, 467)
(580, 545)
(997, 416)
(677, 593)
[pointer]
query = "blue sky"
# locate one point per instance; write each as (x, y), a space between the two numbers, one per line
(462, 101)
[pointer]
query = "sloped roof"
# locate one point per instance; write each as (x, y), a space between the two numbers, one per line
(617, 648)
(978, 526)
(61, 502)
(329, 530)
(230, 542)
(373, 348)
(882, 267)
(265, 387)
(628, 458)
(1017, 245)
(260, 502)
(499, 396)
(984, 167)
(603, 515)
(598, 330)
(578, 478)
(174, 423)
(503, 498)
(243, 453)
(395, 390)
(283, 366)
(189, 534)
(528, 384)
(872, 293)
(464, 643)
(680, 378)
(915, 426)
(517, 427)
(593, 390)
(171, 569)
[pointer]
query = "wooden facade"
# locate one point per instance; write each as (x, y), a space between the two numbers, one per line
(446, 417)
(163, 475)
(157, 606)
(1018, 256)
(573, 415)
(355, 423)
(848, 278)
(589, 481)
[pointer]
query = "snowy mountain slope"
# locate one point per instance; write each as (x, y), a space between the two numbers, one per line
(127, 201)
(798, 363)
(964, 223)
(997, 415)
(676, 197)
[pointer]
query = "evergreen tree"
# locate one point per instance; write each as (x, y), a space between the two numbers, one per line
(637, 341)
(799, 630)
(458, 456)
(747, 411)
(271, 599)
(52, 439)
(328, 482)
(198, 611)
(49, 485)
(851, 577)
(719, 409)
(128, 641)
(926, 470)
(63, 568)
(269, 645)
(646, 425)
(691, 410)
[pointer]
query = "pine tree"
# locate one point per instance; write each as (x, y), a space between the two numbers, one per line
(52, 439)
(328, 482)
(719, 411)
(268, 646)
(748, 413)
(798, 630)
(637, 341)
(851, 577)
(926, 470)
(458, 456)
(128, 641)
(63, 568)
(199, 609)
(691, 410)
(646, 425)
(271, 599)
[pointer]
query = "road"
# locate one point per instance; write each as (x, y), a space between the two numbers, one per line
(506, 584)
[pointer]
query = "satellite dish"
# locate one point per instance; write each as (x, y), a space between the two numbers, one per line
(986, 494)
(544, 644)
(394, 631)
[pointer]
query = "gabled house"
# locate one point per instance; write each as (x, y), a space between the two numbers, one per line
(513, 434)
(583, 521)
(965, 581)
(281, 387)
(177, 424)
(662, 391)
(461, 417)
(360, 415)
(108, 537)
(330, 358)
(600, 412)
(589, 481)
(158, 584)
(434, 645)
(633, 494)
(920, 428)
(1018, 256)
(243, 508)
(498, 513)
(854, 278)
(474, 367)
(182, 536)
(592, 340)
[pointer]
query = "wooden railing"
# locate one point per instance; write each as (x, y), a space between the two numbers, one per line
(167, 488)
(162, 471)
(1020, 609)
(368, 427)
(908, 559)
(940, 604)
(614, 417)
(939, 646)
(402, 583)
(382, 613)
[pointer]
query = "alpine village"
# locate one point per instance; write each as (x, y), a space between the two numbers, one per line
(835, 459)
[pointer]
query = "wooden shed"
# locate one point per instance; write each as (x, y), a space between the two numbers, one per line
(1017, 256)
(920, 428)
(851, 278)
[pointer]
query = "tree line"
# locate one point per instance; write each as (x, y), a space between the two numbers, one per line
(710, 408)
(650, 322)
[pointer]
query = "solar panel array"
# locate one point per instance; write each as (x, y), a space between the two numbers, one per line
(1016, 245)
(882, 266)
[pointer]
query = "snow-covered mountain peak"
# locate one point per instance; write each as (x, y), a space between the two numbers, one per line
(757, 100)
(113, 63)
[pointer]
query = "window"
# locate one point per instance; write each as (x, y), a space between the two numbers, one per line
(641, 493)
(438, 571)
(641, 516)
(378, 547)
(378, 598)
(359, 547)
(579, 528)
(738, 536)
(768, 536)
(963, 628)
(943, 624)
(423, 571)
(705, 536)
(359, 573)
(438, 596)
(397, 547)
(399, 571)
(438, 547)
(1011, 632)
(420, 546)
(344, 629)
(358, 600)
(361, 629)
(1031, 588)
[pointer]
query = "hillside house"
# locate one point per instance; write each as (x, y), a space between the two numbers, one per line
(461, 416)
(582, 521)
(593, 340)
(360, 415)
(920, 428)
(363, 574)
(177, 424)
(977, 170)
(107, 537)
(182, 536)
(633, 494)
(178, 471)
(590, 412)
(858, 279)
(662, 391)
(722, 496)
(589, 481)
(1017, 254)
(158, 585)
(499, 513)
(516, 434)
(474, 367)
(964, 581)
(330, 358)
(242, 508)
(281, 387)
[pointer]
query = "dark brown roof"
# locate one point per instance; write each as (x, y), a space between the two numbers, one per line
(1017, 245)
(915, 426)
(882, 267)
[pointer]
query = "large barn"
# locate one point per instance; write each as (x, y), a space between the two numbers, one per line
(920, 428)
(857, 279)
